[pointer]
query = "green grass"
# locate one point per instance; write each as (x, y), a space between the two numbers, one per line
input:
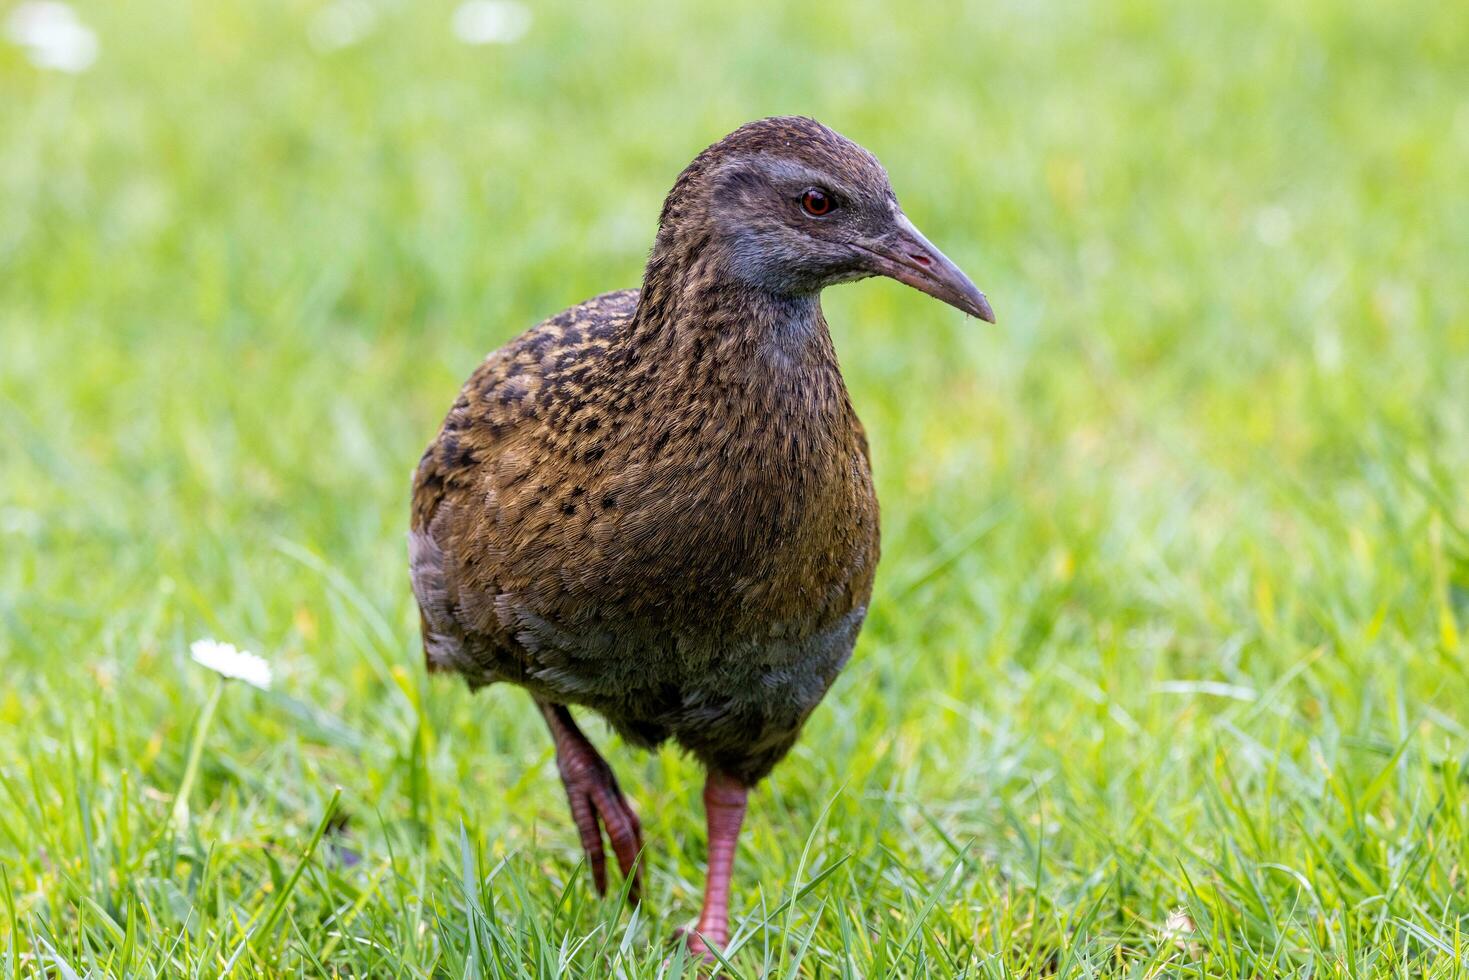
(1165, 673)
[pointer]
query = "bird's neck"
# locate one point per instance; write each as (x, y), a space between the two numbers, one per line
(741, 395)
(693, 307)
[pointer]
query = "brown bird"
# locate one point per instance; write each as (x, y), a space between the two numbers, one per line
(657, 504)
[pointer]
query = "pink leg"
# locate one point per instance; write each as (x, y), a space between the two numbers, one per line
(724, 811)
(596, 801)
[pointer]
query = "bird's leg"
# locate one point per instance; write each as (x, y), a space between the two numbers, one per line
(596, 801)
(724, 811)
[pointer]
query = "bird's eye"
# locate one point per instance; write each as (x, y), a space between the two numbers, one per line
(816, 202)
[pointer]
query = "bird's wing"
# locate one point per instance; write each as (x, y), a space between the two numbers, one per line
(446, 475)
(493, 429)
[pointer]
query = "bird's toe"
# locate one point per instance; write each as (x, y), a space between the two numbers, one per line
(597, 807)
(624, 832)
(584, 815)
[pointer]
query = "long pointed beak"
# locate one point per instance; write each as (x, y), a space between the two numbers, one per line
(910, 258)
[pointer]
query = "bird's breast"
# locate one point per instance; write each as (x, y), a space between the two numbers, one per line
(750, 520)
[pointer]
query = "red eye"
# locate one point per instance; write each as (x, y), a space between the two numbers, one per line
(815, 203)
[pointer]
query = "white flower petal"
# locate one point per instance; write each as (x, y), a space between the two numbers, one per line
(225, 660)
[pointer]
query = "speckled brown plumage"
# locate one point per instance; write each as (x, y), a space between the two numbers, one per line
(658, 504)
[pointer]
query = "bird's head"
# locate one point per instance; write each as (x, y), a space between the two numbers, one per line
(789, 207)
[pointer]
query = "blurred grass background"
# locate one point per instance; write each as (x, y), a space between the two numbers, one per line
(1165, 671)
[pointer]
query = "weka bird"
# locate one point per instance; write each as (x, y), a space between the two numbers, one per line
(657, 504)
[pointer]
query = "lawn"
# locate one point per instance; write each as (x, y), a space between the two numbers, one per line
(1165, 672)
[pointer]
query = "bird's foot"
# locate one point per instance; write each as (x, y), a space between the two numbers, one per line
(597, 804)
(703, 939)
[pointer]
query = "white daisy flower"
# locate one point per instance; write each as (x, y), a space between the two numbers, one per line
(225, 660)
(53, 35)
(491, 21)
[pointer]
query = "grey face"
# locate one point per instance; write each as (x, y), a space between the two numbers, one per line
(792, 228)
